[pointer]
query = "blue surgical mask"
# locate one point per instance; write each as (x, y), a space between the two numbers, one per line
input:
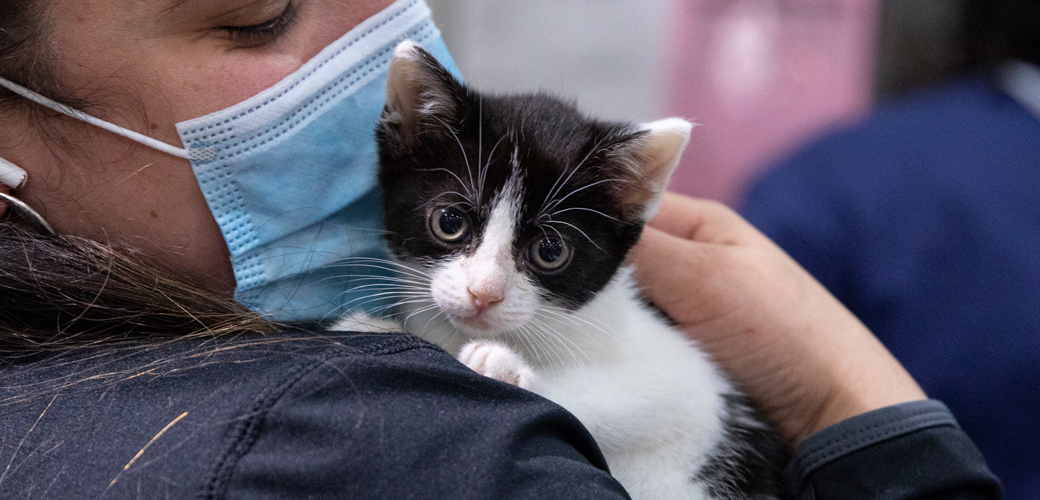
(290, 174)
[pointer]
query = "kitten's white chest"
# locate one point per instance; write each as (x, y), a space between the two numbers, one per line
(651, 399)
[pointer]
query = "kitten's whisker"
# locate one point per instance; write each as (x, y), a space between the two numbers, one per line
(558, 186)
(573, 316)
(380, 305)
(390, 282)
(482, 175)
(380, 296)
(378, 286)
(421, 310)
(380, 312)
(565, 338)
(395, 277)
(576, 228)
(469, 192)
(466, 200)
(402, 293)
(542, 349)
(577, 322)
(526, 337)
(558, 233)
(553, 335)
(383, 308)
(464, 157)
(400, 303)
(426, 328)
(396, 266)
(557, 202)
(480, 145)
(586, 210)
(545, 351)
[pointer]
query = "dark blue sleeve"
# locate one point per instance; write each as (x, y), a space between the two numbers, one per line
(410, 423)
(908, 451)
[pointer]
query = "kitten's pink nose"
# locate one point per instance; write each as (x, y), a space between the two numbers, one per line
(484, 299)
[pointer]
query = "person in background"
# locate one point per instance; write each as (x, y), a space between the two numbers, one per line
(924, 220)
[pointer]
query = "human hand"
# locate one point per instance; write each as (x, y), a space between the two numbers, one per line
(795, 350)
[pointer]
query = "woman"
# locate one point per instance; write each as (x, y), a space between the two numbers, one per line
(125, 379)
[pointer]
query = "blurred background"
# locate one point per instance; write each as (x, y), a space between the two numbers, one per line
(759, 76)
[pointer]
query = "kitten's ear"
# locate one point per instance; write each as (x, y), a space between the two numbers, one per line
(418, 86)
(652, 157)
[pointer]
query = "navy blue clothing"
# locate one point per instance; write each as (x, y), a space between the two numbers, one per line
(314, 416)
(925, 221)
(363, 416)
(908, 451)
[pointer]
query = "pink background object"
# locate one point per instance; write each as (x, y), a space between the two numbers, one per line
(760, 77)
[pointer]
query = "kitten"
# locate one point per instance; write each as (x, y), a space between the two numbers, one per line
(513, 216)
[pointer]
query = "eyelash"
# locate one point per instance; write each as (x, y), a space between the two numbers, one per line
(265, 32)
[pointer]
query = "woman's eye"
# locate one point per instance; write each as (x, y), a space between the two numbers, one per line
(449, 226)
(263, 33)
(549, 254)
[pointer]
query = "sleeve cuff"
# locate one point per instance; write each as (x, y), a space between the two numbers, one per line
(866, 430)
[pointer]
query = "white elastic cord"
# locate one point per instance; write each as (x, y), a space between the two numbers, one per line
(79, 115)
(12, 174)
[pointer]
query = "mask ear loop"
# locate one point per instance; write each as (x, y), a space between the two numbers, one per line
(15, 177)
(97, 122)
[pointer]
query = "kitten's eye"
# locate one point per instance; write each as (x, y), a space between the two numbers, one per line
(449, 226)
(549, 254)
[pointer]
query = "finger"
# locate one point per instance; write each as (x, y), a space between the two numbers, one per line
(704, 221)
(658, 256)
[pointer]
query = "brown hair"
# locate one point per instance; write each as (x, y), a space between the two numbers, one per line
(25, 57)
(61, 292)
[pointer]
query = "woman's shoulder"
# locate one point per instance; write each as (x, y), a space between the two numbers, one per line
(301, 413)
(154, 414)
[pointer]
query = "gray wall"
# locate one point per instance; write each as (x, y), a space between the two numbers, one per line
(606, 54)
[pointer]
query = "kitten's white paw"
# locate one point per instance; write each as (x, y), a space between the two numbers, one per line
(497, 361)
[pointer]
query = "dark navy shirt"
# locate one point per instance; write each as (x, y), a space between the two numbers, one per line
(320, 415)
(925, 221)
(362, 416)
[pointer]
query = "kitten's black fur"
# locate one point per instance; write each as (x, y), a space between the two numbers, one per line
(422, 169)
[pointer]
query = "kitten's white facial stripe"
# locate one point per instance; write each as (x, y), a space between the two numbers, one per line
(483, 293)
(490, 266)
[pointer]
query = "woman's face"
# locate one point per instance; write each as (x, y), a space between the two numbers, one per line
(146, 65)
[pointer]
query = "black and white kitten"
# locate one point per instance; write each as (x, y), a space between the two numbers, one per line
(513, 216)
